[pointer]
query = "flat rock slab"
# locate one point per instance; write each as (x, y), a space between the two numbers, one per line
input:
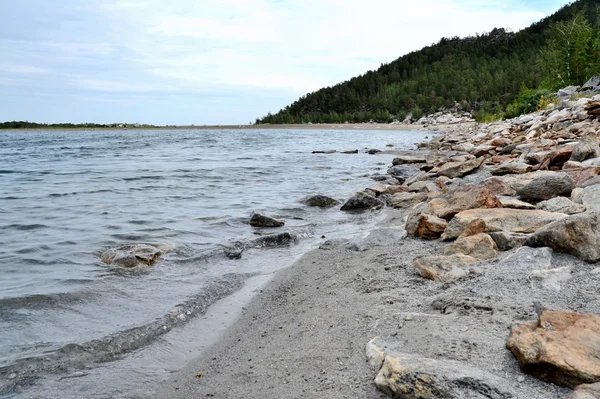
(444, 269)
(501, 219)
(459, 169)
(407, 376)
(406, 200)
(562, 348)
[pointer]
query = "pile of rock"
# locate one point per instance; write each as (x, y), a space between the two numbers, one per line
(531, 181)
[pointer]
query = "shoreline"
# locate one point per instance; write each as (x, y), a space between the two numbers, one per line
(321, 126)
(306, 333)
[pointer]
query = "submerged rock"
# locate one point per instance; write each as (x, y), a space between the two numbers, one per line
(258, 220)
(132, 255)
(319, 200)
(561, 348)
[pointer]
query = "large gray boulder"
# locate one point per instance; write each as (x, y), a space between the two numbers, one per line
(592, 85)
(403, 172)
(362, 201)
(547, 187)
(589, 197)
(586, 148)
(578, 235)
(561, 205)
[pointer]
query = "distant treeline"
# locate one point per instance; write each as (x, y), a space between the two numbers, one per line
(34, 125)
(483, 74)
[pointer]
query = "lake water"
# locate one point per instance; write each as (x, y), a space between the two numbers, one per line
(65, 196)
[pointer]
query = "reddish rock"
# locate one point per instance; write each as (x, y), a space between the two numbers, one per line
(425, 226)
(467, 197)
(561, 348)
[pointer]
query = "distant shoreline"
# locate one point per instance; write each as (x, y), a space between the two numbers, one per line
(319, 126)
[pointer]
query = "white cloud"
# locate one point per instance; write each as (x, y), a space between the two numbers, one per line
(200, 47)
(298, 44)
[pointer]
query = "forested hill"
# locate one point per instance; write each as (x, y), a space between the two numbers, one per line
(483, 74)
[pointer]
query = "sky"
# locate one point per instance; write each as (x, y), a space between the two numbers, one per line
(182, 62)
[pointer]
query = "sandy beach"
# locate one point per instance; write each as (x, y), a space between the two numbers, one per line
(304, 334)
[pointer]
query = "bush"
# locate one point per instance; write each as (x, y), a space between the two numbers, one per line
(528, 101)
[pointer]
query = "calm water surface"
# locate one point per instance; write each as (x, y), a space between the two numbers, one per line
(67, 195)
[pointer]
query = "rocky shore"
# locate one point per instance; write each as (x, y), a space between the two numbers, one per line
(482, 283)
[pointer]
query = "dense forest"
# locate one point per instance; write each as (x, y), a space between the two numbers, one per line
(483, 74)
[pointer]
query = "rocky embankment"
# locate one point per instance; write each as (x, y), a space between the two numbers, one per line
(530, 186)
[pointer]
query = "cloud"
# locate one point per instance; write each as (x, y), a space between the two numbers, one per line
(191, 48)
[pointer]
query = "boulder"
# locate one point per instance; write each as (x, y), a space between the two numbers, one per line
(501, 219)
(362, 201)
(406, 200)
(132, 255)
(259, 220)
(409, 376)
(477, 226)
(586, 391)
(561, 205)
(586, 148)
(479, 246)
(403, 172)
(567, 92)
(592, 85)
(461, 199)
(408, 159)
(444, 269)
(321, 201)
(273, 240)
(378, 237)
(425, 226)
(589, 197)
(547, 187)
(578, 235)
(510, 167)
(510, 184)
(513, 203)
(562, 348)
(459, 169)
(505, 241)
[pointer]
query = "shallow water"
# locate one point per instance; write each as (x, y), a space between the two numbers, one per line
(67, 195)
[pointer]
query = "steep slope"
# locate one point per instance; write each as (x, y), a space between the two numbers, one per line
(482, 73)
